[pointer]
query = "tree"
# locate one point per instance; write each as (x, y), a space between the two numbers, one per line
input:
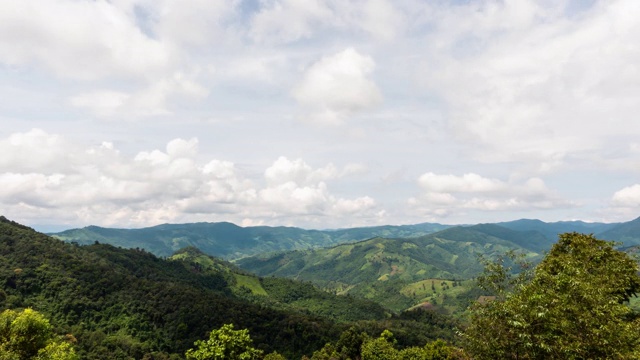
(274, 356)
(28, 335)
(225, 343)
(575, 306)
(382, 348)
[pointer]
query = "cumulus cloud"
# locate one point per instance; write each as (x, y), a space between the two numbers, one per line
(524, 81)
(129, 72)
(293, 185)
(338, 85)
(533, 85)
(100, 185)
(78, 39)
(466, 183)
(445, 195)
(289, 20)
(623, 204)
(149, 101)
(627, 197)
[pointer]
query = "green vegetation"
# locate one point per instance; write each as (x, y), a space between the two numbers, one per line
(129, 304)
(574, 305)
(398, 273)
(230, 241)
(225, 344)
(27, 335)
(354, 345)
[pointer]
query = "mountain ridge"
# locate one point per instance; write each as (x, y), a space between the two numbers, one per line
(230, 241)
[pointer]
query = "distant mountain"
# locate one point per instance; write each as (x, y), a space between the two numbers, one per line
(628, 233)
(230, 241)
(397, 272)
(233, 242)
(130, 304)
(552, 229)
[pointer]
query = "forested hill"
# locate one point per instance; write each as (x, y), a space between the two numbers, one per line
(400, 273)
(123, 304)
(230, 241)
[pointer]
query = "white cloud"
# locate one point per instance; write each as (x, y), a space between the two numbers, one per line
(125, 72)
(149, 101)
(383, 20)
(298, 172)
(295, 187)
(467, 183)
(196, 24)
(547, 89)
(338, 85)
(627, 197)
(289, 20)
(78, 39)
(446, 195)
(100, 185)
(524, 81)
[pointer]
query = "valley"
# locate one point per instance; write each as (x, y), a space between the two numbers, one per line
(120, 300)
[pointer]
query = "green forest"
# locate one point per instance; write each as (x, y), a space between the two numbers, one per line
(62, 300)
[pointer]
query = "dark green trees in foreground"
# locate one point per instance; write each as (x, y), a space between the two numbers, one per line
(573, 307)
(27, 335)
(228, 344)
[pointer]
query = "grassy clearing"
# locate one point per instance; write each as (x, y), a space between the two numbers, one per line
(251, 283)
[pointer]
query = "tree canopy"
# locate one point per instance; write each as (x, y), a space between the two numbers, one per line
(575, 306)
(28, 335)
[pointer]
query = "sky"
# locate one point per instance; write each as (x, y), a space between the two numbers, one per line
(318, 113)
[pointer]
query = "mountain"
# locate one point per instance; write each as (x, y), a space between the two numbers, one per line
(628, 233)
(397, 272)
(127, 303)
(230, 241)
(552, 229)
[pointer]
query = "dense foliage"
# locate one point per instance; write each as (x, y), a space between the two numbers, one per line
(279, 293)
(28, 335)
(225, 344)
(574, 306)
(229, 344)
(230, 241)
(123, 304)
(400, 273)
(130, 304)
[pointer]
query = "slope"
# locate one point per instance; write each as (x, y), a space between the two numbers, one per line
(383, 269)
(230, 241)
(123, 304)
(552, 229)
(628, 233)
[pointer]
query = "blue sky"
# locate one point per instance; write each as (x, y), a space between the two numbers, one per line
(318, 114)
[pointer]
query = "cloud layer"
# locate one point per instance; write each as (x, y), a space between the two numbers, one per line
(98, 184)
(320, 113)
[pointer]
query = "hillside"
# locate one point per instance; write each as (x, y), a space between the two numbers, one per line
(398, 273)
(550, 230)
(628, 233)
(123, 304)
(230, 241)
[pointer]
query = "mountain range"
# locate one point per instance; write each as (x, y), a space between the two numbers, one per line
(397, 266)
(129, 304)
(230, 241)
